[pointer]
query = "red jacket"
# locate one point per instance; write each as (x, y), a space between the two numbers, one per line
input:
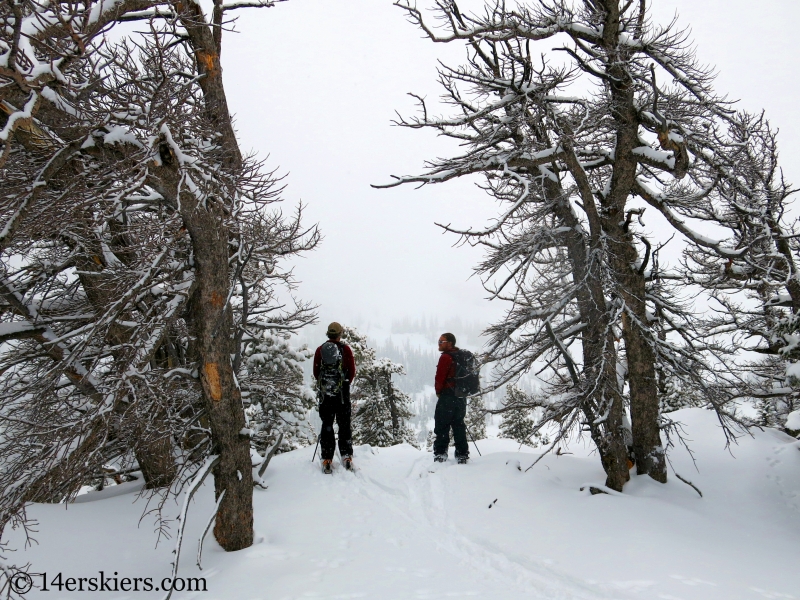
(348, 362)
(445, 372)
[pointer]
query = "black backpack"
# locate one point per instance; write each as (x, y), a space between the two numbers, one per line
(331, 374)
(468, 377)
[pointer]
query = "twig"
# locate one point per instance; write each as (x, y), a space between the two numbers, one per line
(268, 457)
(689, 483)
(195, 484)
(208, 526)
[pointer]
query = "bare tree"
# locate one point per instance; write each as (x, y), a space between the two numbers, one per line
(133, 235)
(576, 144)
(756, 295)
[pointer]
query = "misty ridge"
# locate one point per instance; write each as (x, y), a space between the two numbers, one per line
(411, 342)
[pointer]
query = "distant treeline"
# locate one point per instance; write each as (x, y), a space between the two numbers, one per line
(420, 364)
(466, 332)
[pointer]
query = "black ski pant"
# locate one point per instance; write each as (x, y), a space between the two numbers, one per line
(336, 408)
(450, 412)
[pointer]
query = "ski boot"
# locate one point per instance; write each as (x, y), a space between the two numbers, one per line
(327, 466)
(462, 460)
(440, 458)
(347, 461)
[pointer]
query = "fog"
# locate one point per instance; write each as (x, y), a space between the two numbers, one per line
(315, 85)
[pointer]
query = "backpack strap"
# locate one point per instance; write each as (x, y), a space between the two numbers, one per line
(454, 357)
(342, 346)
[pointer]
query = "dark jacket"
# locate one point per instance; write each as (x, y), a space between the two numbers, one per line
(348, 362)
(446, 371)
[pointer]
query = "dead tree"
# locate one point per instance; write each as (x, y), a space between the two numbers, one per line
(124, 194)
(756, 296)
(577, 152)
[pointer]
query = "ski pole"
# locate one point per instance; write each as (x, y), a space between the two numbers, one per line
(473, 439)
(319, 399)
(315, 448)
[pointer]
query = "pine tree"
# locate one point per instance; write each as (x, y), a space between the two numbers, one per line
(138, 247)
(519, 422)
(272, 383)
(476, 418)
(431, 437)
(380, 409)
(573, 148)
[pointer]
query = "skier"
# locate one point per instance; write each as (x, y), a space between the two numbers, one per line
(334, 369)
(450, 409)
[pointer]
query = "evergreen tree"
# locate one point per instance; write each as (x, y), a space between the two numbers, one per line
(429, 441)
(271, 378)
(380, 409)
(519, 422)
(362, 353)
(476, 418)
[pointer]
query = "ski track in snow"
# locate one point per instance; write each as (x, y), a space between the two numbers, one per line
(423, 504)
(404, 528)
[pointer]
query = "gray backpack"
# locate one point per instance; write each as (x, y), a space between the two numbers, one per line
(331, 374)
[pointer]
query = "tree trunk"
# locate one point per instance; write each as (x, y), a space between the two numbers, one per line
(647, 448)
(630, 285)
(154, 452)
(212, 326)
(628, 278)
(211, 318)
(599, 356)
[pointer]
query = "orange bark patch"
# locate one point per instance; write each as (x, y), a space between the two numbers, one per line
(208, 61)
(96, 259)
(217, 300)
(212, 378)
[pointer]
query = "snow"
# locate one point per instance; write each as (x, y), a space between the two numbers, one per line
(793, 420)
(402, 528)
(17, 327)
(668, 158)
(100, 9)
(24, 114)
(118, 134)
(183, 158)
(793, 369)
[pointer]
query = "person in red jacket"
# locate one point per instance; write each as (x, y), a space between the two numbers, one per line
(450, 410)
(334, 370)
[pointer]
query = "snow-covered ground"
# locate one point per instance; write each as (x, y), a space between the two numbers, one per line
(401, 529)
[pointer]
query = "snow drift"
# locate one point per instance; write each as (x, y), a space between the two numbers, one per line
(400, 528)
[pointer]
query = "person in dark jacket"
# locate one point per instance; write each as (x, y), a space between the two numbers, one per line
(334, 370)
(450, 410)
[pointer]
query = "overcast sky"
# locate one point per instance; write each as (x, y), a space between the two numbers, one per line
(314, 84)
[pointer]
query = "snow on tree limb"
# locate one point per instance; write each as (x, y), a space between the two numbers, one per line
(191, 488)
